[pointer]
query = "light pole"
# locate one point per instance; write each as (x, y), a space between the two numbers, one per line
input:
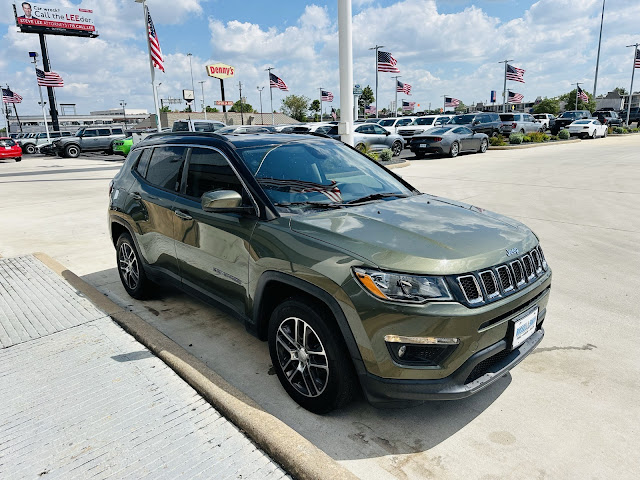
(345, 49)
(261, 116)
(34, 55)
(204, 109)
(124, 112)
(635, 57)
(595, 81)
(241, 106)
(193, 89)
(270, 92)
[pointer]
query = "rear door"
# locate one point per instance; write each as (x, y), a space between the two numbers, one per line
(212, 248)
(104, 138)
(89, 139)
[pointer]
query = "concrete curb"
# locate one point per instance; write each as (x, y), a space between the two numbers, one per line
(406, 163)
(533, 145)
(296, 454)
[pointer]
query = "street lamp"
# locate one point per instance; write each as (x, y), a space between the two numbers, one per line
(201, 82)
(193, 89)
(124, 113)
(261, 117)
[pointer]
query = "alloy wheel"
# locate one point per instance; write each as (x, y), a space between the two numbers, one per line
(397, 148)
(454, 149)
(302, 357)
(128, 265)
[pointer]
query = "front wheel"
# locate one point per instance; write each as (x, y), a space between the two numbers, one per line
(593, 135)
(132, 275)
(72, 151)
(361, 147)
(396, 148)
(483, 146)
(310, 356)
(30, 148)
(455, 149)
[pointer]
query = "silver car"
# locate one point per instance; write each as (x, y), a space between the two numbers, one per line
(449, 140)
(372, 135)
(422, 124)
(522, 122)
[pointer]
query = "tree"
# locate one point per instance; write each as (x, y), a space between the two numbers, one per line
(211, 110)
(620, 91)
(548, 105)
(188, 109)
(461, 107)
(295, 106)
(570, 101)
(366, 98)
(315, 107)
(246, 108)
(165, 108)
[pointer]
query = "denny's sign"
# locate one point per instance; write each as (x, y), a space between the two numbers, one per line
(220, 70)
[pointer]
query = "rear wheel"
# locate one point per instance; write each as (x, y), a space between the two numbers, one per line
(455, 149)
(72, 151)
(132, 274)
(30, 148)
(593, 135)
(483, 146)
(606, 131)
(396, 148)
(495, 134)
(310, 357)
(361, 147)
(18, 159)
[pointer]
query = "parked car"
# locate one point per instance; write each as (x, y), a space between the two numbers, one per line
(352, 276)
(587, 128)
(10, 149)
(245, 129)
(189, 125)
(29, 144)
(608, 118)
(545, 119)
(567, 118)
(422, 124)
(449, 140)
(391, 124)
(123, 146)
(370, 135)
(88, 139)
(522, 122)
(634, 115)
(488, 123)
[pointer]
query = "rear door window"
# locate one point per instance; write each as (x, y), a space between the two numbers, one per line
(117, 131)
(209, 170)
(104, 132)
(90, 133)
(165, 167)
(143, 163)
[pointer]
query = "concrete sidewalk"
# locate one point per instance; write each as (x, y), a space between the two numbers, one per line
(81, 398)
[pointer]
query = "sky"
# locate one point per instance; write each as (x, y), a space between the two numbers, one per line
(442, 47)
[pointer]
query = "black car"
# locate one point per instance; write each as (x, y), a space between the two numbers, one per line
(608, 117)
(487, 123)
(566, 119)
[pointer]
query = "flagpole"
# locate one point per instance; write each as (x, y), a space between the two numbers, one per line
(577, 87)
(320, 103)
(396, 101)
(270, 93)
(145, 13)
(44, 115)
(504, 88)
(15, 109)
(376, 99)
(635, 55)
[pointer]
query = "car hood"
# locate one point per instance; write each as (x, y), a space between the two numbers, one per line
(419, 234)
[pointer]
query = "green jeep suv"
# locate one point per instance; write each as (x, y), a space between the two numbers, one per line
(353, 276)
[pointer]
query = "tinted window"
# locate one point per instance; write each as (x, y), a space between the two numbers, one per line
(117, 131)
(423, 121)
(209, 170)
(483, 118)
(143, 163)
(387, 122)
(404, 121)
(367, 129)
(378, 129)
(203, 127)
(462, 119)
(180, 127)
(104, 132)
(439, 131)
(90, 133)
(165, 167)
(133, 156)
(7, 142)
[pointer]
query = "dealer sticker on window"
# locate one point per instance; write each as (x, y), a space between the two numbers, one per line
(524, 327)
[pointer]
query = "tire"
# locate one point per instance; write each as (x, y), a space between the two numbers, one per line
(18, 159)
(495, 134)
(72, 151)
(593, 135)
(30, 149)
(454, 150)
(396, 148)
(541, 130)
(298, 326)
(360, 147)
(483, 146)
(606, 132)
(522, 131)
(130, 269)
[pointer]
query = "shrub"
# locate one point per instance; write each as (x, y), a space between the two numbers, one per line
(386, 155)
(497, 141)
(526, 139)
(635, 130)
(538, 137)
(553, 137)
(618, 130)
(564, 134)
(516, 138)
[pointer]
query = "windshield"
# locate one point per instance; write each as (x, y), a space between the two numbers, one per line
(6, 142)
(580, 122)
(572, 115)
(423, 121)
(79, 132)
(303, 174)
(180, 127)
(439, 130)
(462, 119)
(387, 122)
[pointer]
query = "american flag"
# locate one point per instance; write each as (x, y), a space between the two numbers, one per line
(326, 96)
(277, 82)
(515, 74)
(515, 97)
(8, 96)
(334, 114)
(582, 95)
(403, 87)
(408, 105)
(451, 102)
(154, 44)
(386, 62)
(49, 79)
(370, 109)
(637, 62)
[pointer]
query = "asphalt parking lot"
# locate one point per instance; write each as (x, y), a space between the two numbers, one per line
(569, 410)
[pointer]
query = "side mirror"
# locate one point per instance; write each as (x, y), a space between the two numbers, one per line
(387, 133)
(221, 201)
(475, 122)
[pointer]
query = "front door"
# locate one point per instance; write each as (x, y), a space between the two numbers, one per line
(212, 248)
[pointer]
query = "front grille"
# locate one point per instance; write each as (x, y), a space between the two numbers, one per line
(528, 266)
(505, 278)
(485, 365)
(535, 257)
(470, 288)
(518, 273)
(490, 284)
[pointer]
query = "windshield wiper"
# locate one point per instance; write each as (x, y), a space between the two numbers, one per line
(310, 204)
(376, 196)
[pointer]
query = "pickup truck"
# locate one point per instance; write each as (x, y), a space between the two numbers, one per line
(608, 118)
(566, 119)
(634, 115)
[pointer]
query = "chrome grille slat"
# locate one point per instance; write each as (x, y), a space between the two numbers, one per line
(489, 283)
(535, 256)
(518, 272)
(505, 278)
(470, 288)
(528, 266)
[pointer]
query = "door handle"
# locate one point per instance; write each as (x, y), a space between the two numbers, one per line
(136, 196)
(183, 215)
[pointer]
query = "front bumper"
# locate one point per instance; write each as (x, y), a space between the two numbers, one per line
(477, 373)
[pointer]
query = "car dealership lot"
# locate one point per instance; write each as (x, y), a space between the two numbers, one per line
(568, 411)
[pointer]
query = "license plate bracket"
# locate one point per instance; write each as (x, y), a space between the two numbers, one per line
(523, 327)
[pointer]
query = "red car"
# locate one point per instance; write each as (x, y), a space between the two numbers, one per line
(10, 149)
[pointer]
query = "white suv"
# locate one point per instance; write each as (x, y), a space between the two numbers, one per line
(545, 119)
(421, 124)
(392, 124)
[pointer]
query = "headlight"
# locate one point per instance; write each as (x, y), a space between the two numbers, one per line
(400, 287)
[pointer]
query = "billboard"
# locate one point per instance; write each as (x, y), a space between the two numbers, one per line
(39, 18)
(220, 70)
